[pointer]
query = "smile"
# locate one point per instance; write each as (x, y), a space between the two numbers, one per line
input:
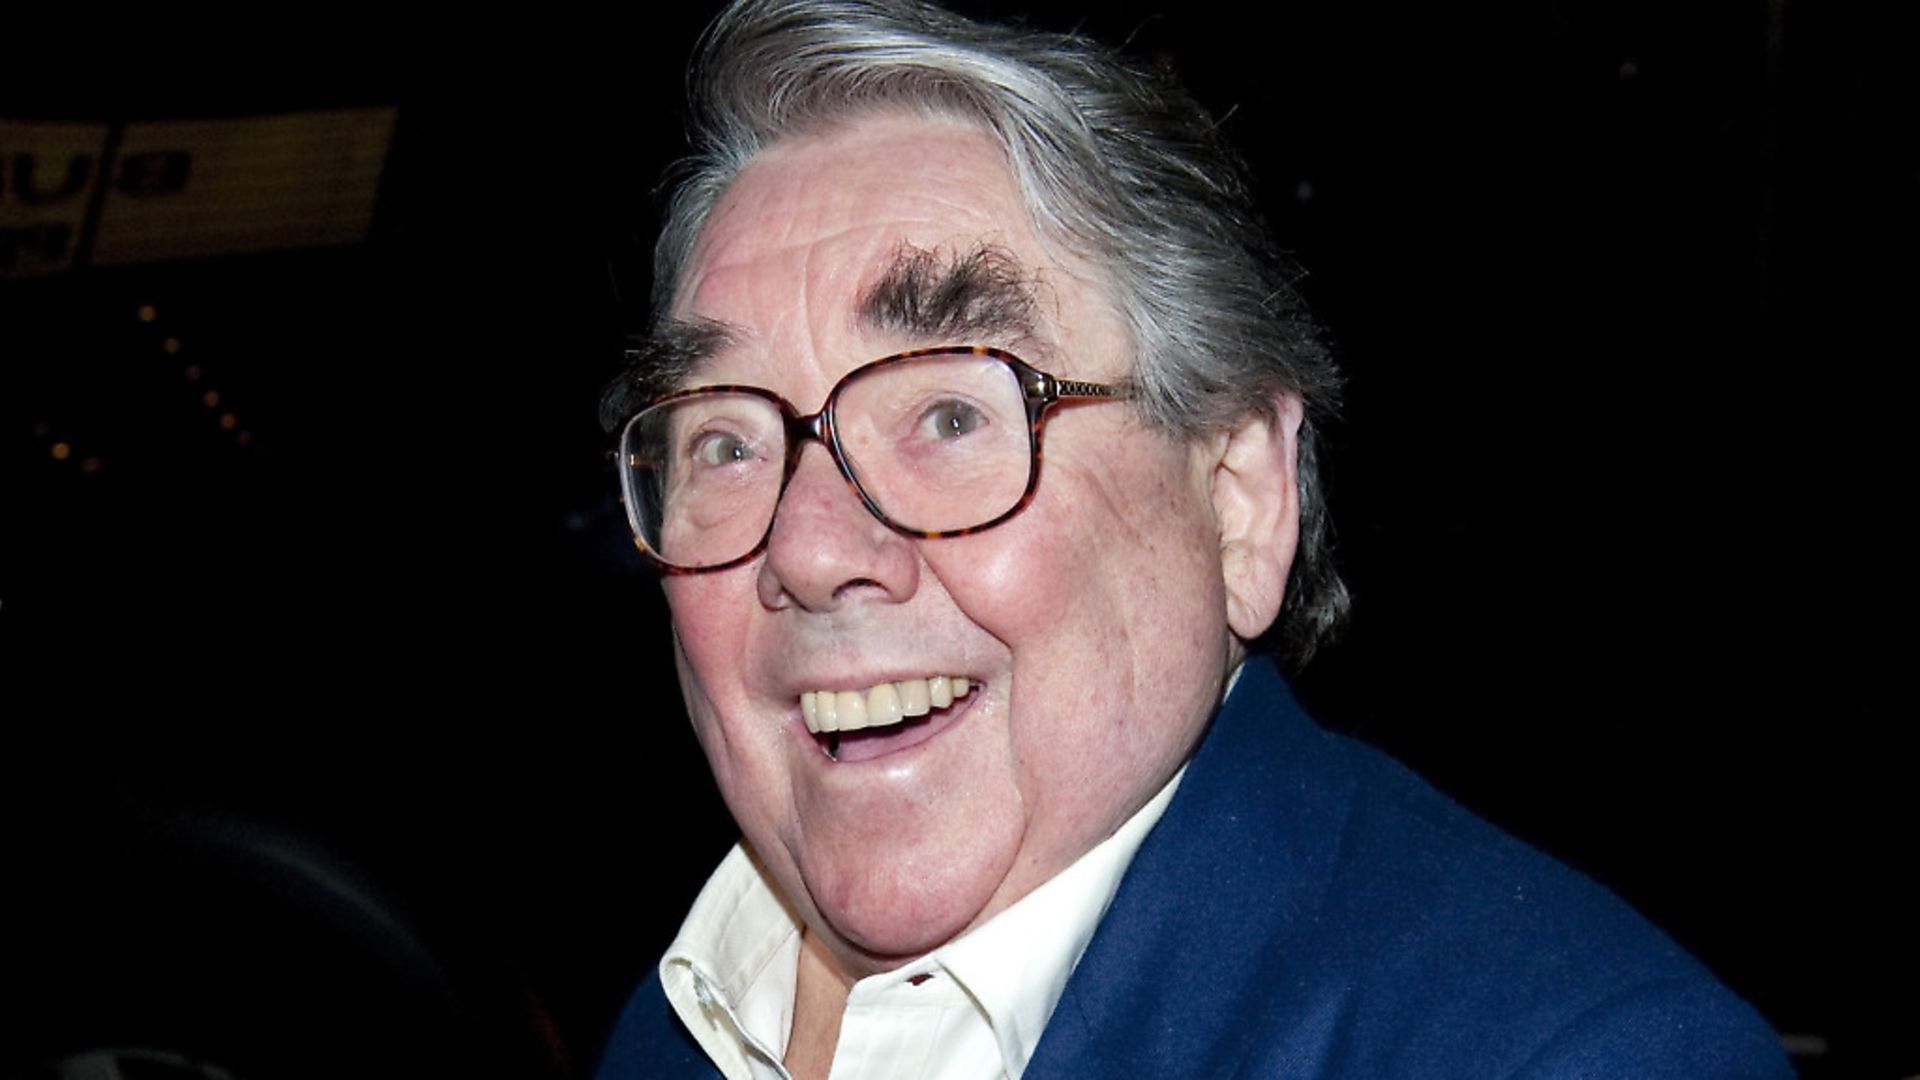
(887, 703)
(877, 714)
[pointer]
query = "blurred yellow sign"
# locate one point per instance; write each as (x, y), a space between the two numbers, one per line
(79, 194)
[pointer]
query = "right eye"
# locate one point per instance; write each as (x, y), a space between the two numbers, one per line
(720, 448)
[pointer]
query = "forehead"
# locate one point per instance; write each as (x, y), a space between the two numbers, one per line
(815, 221)
(922, 180)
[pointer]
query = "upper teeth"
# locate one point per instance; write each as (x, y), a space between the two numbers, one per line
(887, 703)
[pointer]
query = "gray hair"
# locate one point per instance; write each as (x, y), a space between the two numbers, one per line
(1122, 167)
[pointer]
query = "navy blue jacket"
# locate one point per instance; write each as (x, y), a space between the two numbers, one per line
(1307, 907)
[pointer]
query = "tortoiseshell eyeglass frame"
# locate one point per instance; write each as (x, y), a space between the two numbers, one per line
(1041, 391)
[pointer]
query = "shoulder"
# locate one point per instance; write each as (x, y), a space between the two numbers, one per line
(1467, 942)
(649, 1041)
(1326, 905)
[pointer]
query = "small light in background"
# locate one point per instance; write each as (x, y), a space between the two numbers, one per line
(193, 372)
(1628, 70)
(148, 313)
(90, 466)
(228, 421)
(211, 399)
(170, 346)
(61, 451)
(244, 438)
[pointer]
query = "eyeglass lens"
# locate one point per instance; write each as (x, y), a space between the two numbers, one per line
(939, 443)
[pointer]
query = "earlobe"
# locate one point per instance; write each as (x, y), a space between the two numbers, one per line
(1256, 500)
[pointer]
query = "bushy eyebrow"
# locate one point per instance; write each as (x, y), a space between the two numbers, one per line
(982, 297)
(952, 300)
(660, 361)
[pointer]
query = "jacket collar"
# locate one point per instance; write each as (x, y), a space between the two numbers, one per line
(1238, 863)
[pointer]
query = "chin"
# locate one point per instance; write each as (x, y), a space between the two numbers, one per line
(912, 908)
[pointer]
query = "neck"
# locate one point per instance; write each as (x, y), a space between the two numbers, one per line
(819, 1001)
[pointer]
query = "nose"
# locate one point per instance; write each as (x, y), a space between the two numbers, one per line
(827, 550)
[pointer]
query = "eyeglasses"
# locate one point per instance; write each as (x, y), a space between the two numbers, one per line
(936, 442)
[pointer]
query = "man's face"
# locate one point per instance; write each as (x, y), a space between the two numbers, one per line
(1091, 626)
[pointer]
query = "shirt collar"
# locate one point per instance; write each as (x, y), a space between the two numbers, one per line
(1016, 965)
(730, 972)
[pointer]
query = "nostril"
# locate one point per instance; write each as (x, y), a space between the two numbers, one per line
(856, 585)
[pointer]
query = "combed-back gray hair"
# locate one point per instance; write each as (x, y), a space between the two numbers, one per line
(1122, 168)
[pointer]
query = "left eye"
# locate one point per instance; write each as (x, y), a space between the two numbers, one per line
(951, 419)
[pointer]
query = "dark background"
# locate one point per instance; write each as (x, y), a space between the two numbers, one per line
(1621, 291)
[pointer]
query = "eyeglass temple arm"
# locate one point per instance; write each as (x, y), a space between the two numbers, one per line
(1064, 389)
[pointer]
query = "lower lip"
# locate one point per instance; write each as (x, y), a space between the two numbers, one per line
(870, 744)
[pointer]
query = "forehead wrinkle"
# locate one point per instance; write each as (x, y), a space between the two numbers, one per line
(751, 195)
(821, 272)
(817, 322)
(720, 258)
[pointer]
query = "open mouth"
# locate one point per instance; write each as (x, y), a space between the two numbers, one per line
(857, 725)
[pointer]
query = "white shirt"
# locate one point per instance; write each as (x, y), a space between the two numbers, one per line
(972, 1009)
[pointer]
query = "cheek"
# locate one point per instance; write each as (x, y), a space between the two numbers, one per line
(1019, 583)
(1110, 541)
(1109, 583)
(709, 619)
(744, 746)
(1106, 602)
(709, 634)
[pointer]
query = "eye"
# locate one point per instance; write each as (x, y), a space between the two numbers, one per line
(951, 419)
(718, 448)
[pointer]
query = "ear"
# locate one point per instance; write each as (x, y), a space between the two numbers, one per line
(1256, 500)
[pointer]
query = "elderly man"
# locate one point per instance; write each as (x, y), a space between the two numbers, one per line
(974, 438)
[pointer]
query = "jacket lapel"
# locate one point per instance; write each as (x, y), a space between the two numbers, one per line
(1198, 931)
